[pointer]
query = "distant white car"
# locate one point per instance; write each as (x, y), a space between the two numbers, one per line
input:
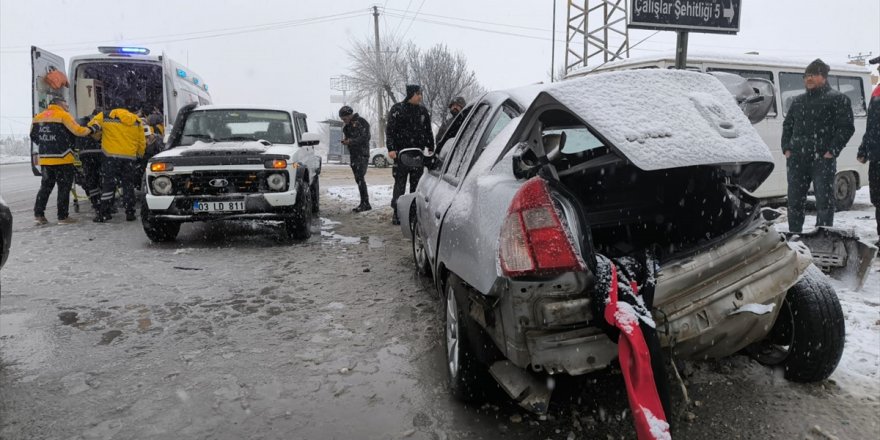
(233, 163)
(379, 157)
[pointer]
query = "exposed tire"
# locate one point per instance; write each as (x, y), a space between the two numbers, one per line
(299, 225)
(380, 162)
(463, 371)
(158, 231)
(420, 254)
(316, 195)
(808, 336)
(845, 188)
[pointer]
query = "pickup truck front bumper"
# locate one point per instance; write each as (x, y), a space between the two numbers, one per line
(258, 206)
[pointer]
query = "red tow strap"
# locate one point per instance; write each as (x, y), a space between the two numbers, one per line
(635, 363)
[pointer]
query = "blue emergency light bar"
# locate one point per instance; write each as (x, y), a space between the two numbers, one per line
(124, 50)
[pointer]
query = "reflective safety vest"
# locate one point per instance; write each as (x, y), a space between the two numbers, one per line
(122, 134)
(55, 131)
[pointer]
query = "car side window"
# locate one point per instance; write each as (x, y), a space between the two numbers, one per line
(790, 85)
(464, 142)
(296, 126)
(506, 115)
(749, 74)
(852, 87)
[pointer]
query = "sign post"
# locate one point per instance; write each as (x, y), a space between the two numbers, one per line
(684, 16)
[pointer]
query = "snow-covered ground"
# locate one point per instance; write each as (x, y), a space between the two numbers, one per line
(4, 158)
(859, 369)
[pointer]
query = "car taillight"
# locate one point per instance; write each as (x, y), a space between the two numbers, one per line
(533, 239)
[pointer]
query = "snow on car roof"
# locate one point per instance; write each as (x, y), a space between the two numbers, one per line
(663, 118)
(243, 107)
(741, 60)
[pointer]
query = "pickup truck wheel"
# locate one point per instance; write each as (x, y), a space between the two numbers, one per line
(299, 225)
(463, 371)
(808, 336)
(159, 231)
(844, 191)
(316, 195)
(420, 254)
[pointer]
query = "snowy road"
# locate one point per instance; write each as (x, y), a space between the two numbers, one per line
(227, 334)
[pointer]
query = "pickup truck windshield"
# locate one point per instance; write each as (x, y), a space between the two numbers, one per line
(237, 125)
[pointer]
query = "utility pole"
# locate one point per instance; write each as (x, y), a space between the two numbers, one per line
(381, 109)
(553, 47)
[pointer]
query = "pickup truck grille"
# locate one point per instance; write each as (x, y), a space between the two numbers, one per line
(220, 182)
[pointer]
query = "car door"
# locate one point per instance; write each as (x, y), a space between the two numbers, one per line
(43, 62)
(452, 173)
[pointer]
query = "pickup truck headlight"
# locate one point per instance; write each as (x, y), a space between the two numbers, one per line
(276, 181)
(163, 185)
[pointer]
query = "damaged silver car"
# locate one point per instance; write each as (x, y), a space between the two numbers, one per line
(517, 204)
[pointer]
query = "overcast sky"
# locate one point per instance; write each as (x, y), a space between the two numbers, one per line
(257, 54)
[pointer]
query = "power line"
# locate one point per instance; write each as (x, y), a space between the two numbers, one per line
(200, 34)
(401, 21)
(413, 20)
(513, 26)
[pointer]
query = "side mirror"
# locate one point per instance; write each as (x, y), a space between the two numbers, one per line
(757, 106)
(309, 139)
(755, 96)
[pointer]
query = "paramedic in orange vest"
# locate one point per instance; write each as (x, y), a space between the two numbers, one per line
(123, 142)
(54, 131)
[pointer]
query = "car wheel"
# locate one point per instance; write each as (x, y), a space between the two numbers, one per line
(316, 195)
(420, 254)
(844, 191)
(808, 336)
(299, 225)
(380, 162)
(158, 231)
(464, 373)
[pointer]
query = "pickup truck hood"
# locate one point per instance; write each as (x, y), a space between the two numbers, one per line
(662, 119)
(238, 148)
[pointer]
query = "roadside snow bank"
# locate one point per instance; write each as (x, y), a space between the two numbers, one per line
(380, 195)
(5, 158)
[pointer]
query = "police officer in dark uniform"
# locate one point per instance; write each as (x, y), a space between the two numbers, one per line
(409, 126)
(356, 135)
(818, 126)
(54, 131)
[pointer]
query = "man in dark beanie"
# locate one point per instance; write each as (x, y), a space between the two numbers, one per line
(816, 129)
(356, 135)
(451, 125)
(869, 150)
(409, 127)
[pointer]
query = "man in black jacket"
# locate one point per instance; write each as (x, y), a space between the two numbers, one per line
(92, 158)
(356, 135)
(869, 150)
(409, 126)
(816, 129)
(451, 125)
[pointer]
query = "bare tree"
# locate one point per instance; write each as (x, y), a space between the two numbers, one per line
(442, 74)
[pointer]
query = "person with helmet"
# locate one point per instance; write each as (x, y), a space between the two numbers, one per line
(122, 142)
(54, 131)
(356, 132)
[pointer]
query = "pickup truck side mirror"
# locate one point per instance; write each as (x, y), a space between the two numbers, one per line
(309, 139)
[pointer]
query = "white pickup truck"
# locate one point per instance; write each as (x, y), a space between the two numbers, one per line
(233, 163)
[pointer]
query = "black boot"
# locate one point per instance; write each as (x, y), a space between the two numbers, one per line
(363, 207)
(130, 217)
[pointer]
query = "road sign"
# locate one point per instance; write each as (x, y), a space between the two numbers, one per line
(710, 16)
